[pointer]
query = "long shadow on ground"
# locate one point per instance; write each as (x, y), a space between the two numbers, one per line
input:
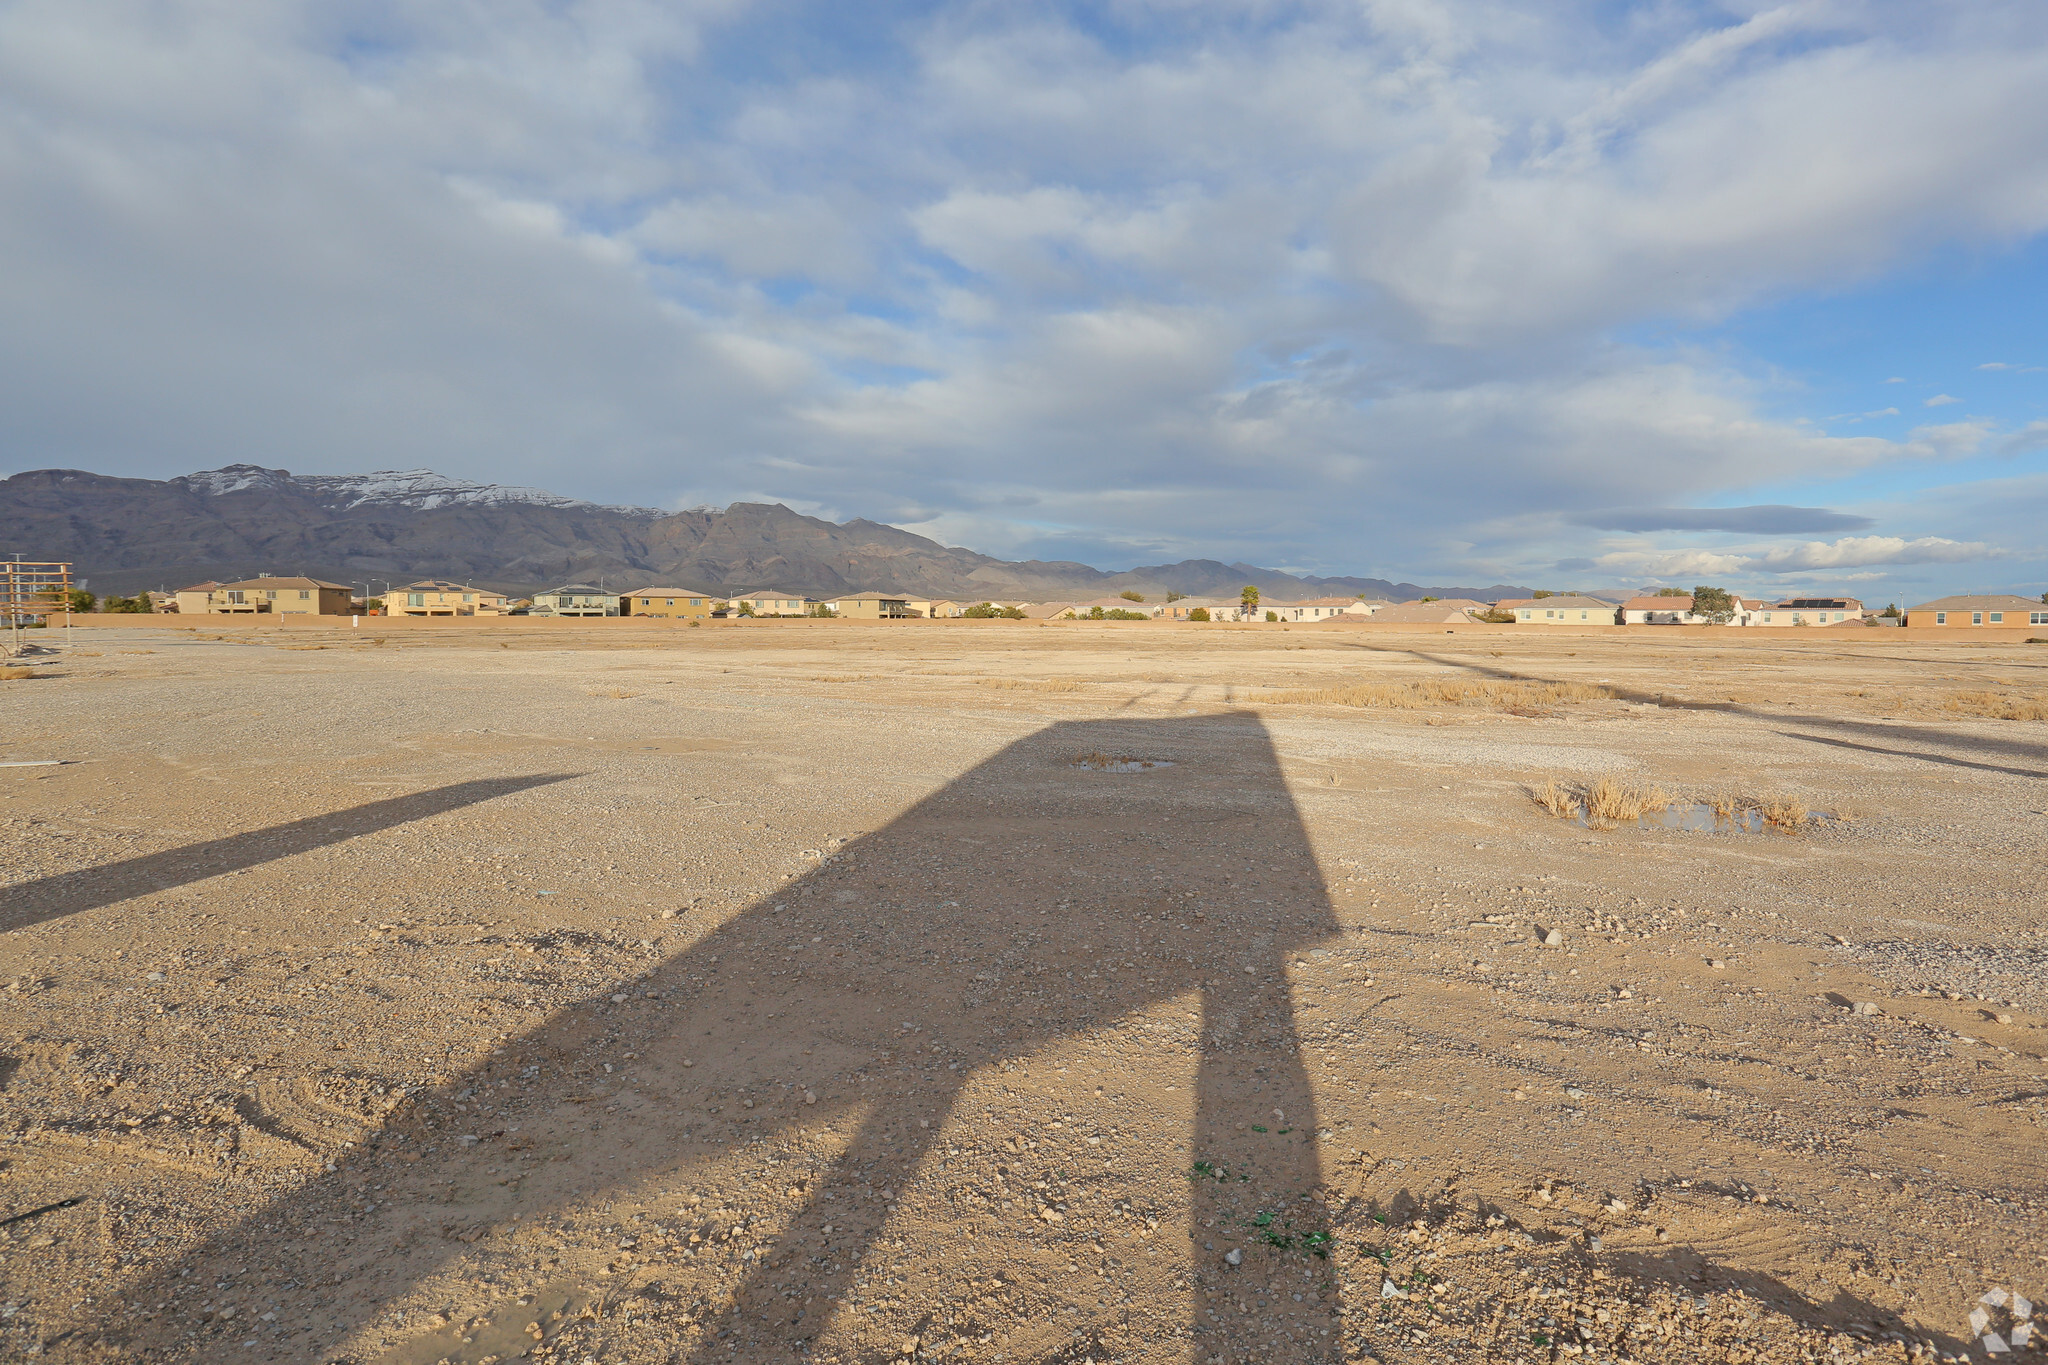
(72, 893)
(1028, 900)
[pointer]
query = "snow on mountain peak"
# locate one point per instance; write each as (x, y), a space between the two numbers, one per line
(416, 488)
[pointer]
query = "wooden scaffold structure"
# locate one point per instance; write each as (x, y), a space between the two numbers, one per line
(31, 592)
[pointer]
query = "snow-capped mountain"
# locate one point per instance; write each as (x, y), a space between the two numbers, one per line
(400, 524)
(418, 488)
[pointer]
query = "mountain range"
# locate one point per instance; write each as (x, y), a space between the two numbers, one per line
(394, 526)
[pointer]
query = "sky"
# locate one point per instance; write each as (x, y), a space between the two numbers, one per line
(1566, 293)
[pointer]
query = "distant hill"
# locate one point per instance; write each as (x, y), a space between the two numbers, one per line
(242, 520)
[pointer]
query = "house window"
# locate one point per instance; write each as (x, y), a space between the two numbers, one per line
(469, 597)
(671, 601)
(272, 595)
(1941, 618)
(696, 601)
(1582, 616)
(1976, 618)
(2037, 618)
(236, 596)
(304, 596)
(1997, 618)
(415, 599)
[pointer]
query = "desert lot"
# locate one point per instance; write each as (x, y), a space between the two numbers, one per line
(1001, 991)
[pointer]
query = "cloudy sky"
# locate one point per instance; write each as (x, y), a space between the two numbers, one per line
(1559, 292)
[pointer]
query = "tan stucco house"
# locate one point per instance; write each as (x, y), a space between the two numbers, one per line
(872, 606)
(574, 599)
(266, 597)
(437, 597)
(1808, 611)
(675, 604)
(1565, 611)
(1985, 611)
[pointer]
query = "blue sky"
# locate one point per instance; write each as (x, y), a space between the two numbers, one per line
(1564, 294)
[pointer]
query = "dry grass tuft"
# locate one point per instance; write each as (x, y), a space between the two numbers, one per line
(280, 647)
(616, 693)
(843, 677)
(1615, 800)
(1044, 685)
(1559, 801)
(1610, 801)
(1786, 812)
(1997, 706)
(14, 673)
(1520, 697)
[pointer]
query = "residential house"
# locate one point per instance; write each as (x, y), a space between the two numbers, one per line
(1659, 611)
(1366, 606)
(772, 602)
(192, 601)
(941, 608)
(435, 597)
(1988, 611)
(1312, 609)
(1564, 611)
(1807, 611)
(871, 606)
(574, 599)
(1048, 611)
(671, 604)
(1450, 611)
(1178, 610)
(267, 597)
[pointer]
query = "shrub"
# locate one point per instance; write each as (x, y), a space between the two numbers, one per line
(1130, 596)
(1199, 614)
(1119, 614)
(1272, 616)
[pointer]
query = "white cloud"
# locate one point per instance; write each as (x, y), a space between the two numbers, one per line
(1850, 552)
(1335, 288)
(1942, 400)
(2031, 437)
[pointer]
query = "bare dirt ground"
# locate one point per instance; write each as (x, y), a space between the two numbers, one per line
(806, 991)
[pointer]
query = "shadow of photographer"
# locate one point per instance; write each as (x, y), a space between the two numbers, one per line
(1032, 900)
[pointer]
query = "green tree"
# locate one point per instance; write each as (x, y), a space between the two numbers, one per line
(1894, 613)
(980, 611)
(1119, 614)
(1130, 596)
(1175, 596)
(1541, 593)
(1432, 599)
(746, 608)
(1095, 613)
(1272, 616)
(1199, 614)
(1012, 613)
(81, 600)
(1714, 604)
(1671, 592)
(1250, 596)
(819, 609)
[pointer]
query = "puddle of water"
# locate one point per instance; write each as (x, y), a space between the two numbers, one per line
(502, 1336)
(1701, 817)
(1120, 763)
